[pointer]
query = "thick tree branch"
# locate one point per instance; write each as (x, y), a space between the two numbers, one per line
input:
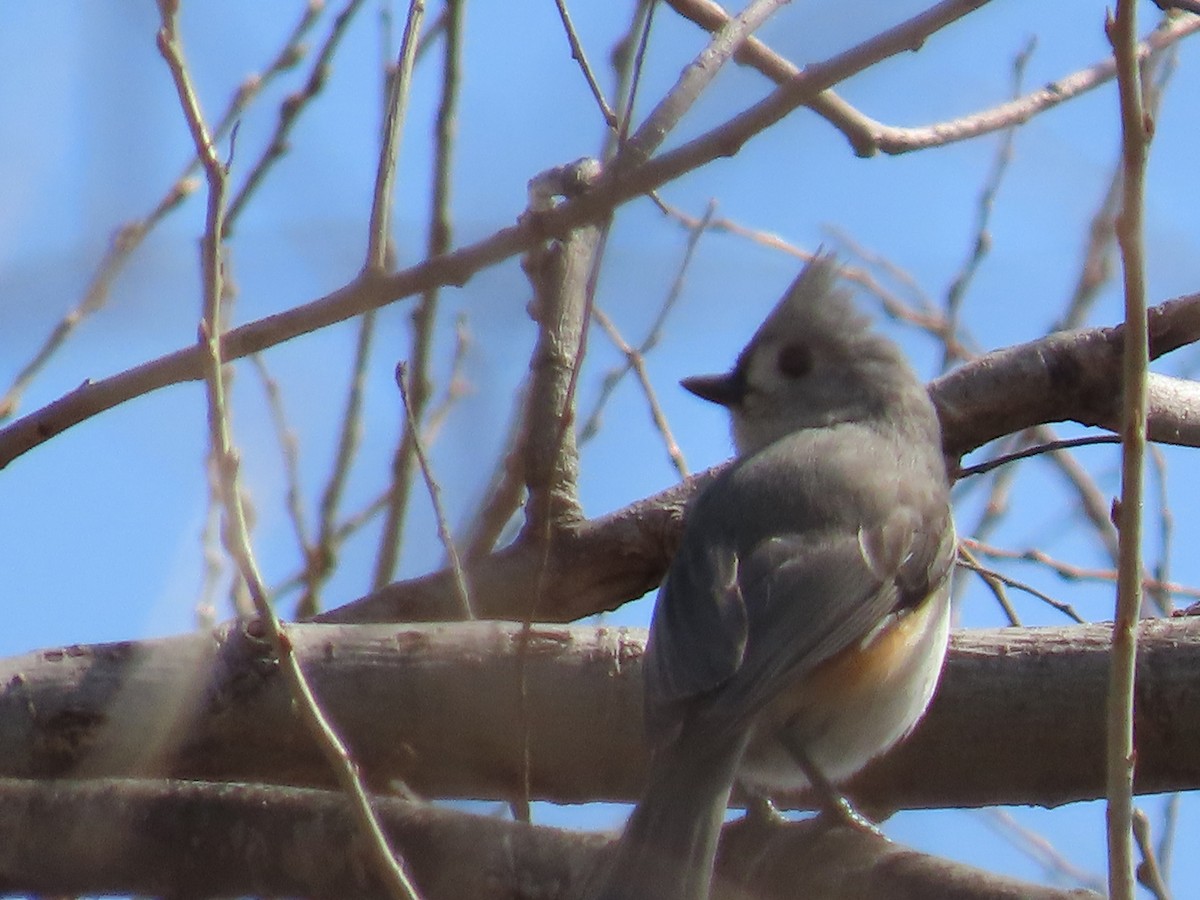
(561, 275)
(1019, 718)
(1069, 375)
(191, 839)
(202, 839)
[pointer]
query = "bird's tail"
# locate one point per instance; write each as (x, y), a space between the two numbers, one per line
(667, 849)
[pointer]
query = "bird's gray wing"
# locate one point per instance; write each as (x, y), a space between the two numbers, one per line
(698, 633)
(751, 625)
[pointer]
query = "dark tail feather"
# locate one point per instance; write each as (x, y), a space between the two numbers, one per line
(667, 849)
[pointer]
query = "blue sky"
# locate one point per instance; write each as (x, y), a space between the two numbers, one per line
(102, 523)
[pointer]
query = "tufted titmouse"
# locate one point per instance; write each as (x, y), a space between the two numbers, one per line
(802, 625)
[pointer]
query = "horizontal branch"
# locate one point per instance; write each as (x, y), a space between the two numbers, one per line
(160, 838)
(452, 710)
(173, 839)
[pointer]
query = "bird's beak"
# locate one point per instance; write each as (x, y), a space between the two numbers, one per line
(725, 390)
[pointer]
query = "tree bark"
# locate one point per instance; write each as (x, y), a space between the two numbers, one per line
(457, 711)
(188, 839)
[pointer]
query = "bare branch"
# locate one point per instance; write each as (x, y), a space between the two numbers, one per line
(968, 562)
(982, 243)
(215, 707)
(868, 136)
(1069, 375)
(1041, 850)
(559, 274)
(150, 838)
(1136, 130)
(1070, 572)
(599, 564)
(236, 531)
(1148, 872)
(424, 317)
(457, 266)
(460, 581)
(635, 362)
(129, 237)
(289, 115)
(578, 54)
(695, 77)
(289, 447)
(389, 150)
(634, 357)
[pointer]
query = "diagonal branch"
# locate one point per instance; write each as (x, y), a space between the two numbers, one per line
(601, 563)
(868, 136)
(372, 291)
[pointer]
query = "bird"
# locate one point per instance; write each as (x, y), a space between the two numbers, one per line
(802, 625)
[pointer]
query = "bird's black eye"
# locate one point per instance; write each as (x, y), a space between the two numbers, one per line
(795, 360)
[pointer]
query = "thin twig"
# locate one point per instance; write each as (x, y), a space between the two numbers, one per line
(692, 81)
(290, 448)
(1096, 269)
(214, 558)
(128, 237)
(868, 136)
(922, 312)
(634, 361)
(982, 243)
(1148, 873)
(435, 497)
(634, 357)
(1039, 849)
(924, 315)
(1170, 829)
(1093, 503)
(1071, 572)
(1135, 133)
(1036, 450)
(995, 507)
(424, 317)
(236, 530)
(457, 385)
(638, 62)
(1158, 71)
(995, 582)
(289, 115)
(1065, 608)
(319, 562)
(332, 532)
(1166, 529)
(607, 193)
(389, 150)
(625, 56)
(578, 54)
